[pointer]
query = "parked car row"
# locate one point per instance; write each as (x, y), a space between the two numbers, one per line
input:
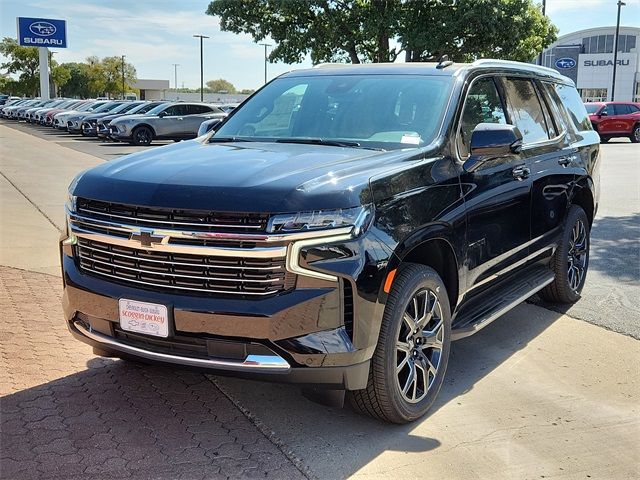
(135, 122)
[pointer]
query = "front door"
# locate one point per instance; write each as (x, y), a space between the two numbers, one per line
(497, 195)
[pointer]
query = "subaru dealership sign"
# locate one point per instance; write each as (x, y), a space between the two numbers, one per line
(565, 63)
(42, 32)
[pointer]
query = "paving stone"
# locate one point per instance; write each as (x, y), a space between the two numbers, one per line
(67, 415)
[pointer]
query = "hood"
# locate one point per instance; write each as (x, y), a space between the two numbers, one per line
(244, 177)
(94, 116)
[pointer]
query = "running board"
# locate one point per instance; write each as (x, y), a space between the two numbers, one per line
(498, 300)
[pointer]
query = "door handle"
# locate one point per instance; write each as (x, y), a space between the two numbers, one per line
(521, 172)
(567, 160)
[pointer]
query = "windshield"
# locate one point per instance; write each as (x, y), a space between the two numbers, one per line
(378, 111)
(592, 107)
(158, 109)
(145, 107)
(107, 107)
(123, 107)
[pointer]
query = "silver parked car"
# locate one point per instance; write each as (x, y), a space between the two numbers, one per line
(172, 121)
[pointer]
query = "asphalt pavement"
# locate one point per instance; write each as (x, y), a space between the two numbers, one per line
(537, 394)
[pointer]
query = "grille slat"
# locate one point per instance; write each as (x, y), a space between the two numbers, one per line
(205, 221)
(213, 275)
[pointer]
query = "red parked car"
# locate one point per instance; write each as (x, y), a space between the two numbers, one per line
(615, 119)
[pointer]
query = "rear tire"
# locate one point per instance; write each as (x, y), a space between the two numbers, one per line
(409, 363)
(142, 136)
(570, 262)
(635, 134)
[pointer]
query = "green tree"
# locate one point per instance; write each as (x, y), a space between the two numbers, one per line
(24, 62)
(221, 85)
(362, 30)
(112, 73)
(470, 29)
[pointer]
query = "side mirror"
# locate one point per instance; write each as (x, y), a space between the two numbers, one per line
(603, 113)
(490, 141)
(162, 114)
(208, 125)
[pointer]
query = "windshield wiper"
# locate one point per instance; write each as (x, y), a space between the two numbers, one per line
(319, 141)
(229, 139)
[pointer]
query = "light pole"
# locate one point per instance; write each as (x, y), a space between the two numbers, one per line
(265, 45)
(123, 77)
(175, 75)
(201, 37)
(615, 52)
(544, 8)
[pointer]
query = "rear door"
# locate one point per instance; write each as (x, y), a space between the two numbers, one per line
(552, 160)
(196, 115)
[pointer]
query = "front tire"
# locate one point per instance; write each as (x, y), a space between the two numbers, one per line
(410, 360)
(571, 260)
(142, 136)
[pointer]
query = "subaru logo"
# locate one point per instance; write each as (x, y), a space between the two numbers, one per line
(44, 29)
(565, 63)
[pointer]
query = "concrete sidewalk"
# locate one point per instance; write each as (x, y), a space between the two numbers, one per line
(34, 176)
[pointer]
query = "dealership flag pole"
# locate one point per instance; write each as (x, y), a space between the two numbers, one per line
(615, 52)
(43, 56)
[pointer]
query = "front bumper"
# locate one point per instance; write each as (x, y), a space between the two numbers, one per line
(89, 130)
(301, 331)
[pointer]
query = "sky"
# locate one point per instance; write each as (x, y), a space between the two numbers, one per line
(155, 34)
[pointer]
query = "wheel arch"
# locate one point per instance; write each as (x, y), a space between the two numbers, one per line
(583, 197)
(439, 254)
(153, 130)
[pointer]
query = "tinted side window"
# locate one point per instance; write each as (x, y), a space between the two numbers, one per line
(633, 109)
(608, 110)
(556, 107)
(574, 107)
(174, 110)
(621, 109)
(482, 105)
(525, 110)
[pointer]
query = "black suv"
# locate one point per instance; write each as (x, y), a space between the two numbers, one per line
(340, 228)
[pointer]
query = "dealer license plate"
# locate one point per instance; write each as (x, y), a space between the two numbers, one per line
(143, 317)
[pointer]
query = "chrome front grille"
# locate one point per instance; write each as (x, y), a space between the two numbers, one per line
(176, 271)
(163, 218)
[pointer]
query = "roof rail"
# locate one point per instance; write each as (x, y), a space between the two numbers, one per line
(335, 64)
(489, 62)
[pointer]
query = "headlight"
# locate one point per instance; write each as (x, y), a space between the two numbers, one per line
(71, 202)
(320, 220)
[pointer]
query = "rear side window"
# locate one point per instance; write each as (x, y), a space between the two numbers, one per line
(482, 105)
(525, 110)
(574, 107)
(555, 105)
(633, 109)
(621, 109)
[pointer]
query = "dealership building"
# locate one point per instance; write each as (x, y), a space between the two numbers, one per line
(587, 58)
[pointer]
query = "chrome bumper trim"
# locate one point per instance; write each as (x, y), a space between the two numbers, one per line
(251, 363)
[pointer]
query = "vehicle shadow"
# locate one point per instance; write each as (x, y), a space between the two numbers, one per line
(337, 443)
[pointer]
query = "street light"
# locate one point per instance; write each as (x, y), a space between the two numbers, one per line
(123, 77)
(615, 52)
(544, 8)
(175, 75)
(265, 45)
(201, 37)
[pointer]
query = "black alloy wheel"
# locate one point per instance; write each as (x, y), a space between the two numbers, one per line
(570, 262)
(409, 364)
(142, 136)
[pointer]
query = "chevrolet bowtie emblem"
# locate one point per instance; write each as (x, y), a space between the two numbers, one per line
(146, 238)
